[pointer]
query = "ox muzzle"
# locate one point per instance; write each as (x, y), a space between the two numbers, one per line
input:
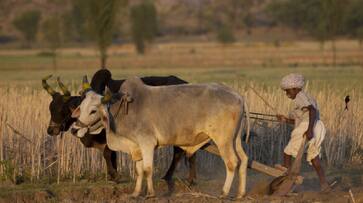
(80, 129)
(54, 128)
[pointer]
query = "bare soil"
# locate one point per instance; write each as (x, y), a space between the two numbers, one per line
(207, 189)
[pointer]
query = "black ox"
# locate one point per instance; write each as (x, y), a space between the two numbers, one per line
(62, 106)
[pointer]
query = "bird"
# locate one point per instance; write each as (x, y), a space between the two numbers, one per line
(347, 99)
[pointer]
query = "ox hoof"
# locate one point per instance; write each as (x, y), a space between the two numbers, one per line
(150, 195)
(223, 196)
(167, 194)
(240, 196)
(135, 194)
(117, 179)
(191, 182)
(171, 185)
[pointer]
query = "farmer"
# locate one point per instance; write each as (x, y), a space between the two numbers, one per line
(306, 119)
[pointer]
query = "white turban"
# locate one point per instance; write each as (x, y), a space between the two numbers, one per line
(292, 80)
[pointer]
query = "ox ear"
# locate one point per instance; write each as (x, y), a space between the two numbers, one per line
(107, 119)
(76, 113)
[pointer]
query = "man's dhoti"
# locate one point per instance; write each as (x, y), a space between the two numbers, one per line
(313, 147)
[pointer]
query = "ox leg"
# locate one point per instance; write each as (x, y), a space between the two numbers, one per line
(139, 177)
(231, 161)
(111, 163)
(178, 153)
(148, 159)
(242, 169)
(192, 170)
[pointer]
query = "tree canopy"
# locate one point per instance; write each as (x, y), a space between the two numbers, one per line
(27, 23)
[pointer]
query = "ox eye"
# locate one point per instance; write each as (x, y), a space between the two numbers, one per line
(93, 112)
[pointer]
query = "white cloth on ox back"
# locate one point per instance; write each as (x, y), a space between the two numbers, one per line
(313, 148)
(292, 80)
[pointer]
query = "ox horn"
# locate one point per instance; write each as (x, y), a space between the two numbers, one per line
(107, 98)
(63, 88)
(46, 86)
(85, 84)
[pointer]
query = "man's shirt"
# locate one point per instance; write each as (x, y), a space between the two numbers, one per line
(302, 100)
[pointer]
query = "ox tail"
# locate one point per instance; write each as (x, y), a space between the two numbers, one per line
(240, 152)
(245, 107)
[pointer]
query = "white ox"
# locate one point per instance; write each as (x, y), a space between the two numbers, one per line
(188, 116)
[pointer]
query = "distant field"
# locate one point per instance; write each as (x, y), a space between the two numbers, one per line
(339, 78)
(191, 55)
(196, 62)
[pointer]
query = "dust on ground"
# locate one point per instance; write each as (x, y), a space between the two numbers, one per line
(207, 189)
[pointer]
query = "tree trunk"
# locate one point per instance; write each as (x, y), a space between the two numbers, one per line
(54, 60)
(103, 59)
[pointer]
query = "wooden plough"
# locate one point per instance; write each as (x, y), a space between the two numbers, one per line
(268, 170)
(282, 183)
(284, 179)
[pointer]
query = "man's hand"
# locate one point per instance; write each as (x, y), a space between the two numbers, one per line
(309, 134)
(281, 118)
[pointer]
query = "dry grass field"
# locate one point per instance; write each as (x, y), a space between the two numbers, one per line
(28, 154)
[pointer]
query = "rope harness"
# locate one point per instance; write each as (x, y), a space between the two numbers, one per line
(124, 104)
(263, 117)
(61, 125)
(91, 127)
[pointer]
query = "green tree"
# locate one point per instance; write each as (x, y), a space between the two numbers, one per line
(144, 24)
(101, 18)
(27, 24)
(52, 35)
(226, 16)
(239, 13)
(75, 22)
(354, 20)
(232, 12)
(225, 34)
(296, 14)
(322, 19)
(331, 21)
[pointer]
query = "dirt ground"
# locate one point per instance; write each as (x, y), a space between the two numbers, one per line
(207, 189)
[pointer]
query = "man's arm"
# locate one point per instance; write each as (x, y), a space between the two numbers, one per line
(312, 118)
